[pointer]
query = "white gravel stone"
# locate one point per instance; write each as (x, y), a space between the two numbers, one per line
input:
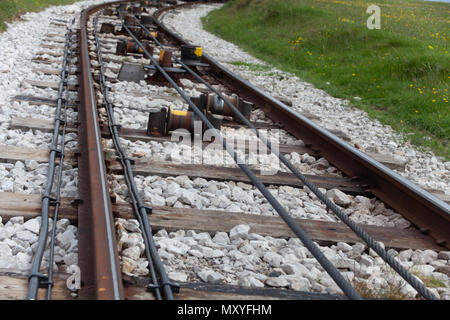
(155, 199)
(418, 257)
(188, 197)
(173, 246)
(66, 239)
(31, 164)
(211, 277)
(300, 203)
(328, 282)
(5, 250)
(132, 253)
(291, 268)
(425, 270)
(366, 261)
(267, 261)
(250, 282)
(299, 283)
(277, 282)
(339, 197)
(376, 282)
(203, 236)
(178, 276)
(161, 233)
(27, 236)
(23, 261)
(71, 258)
(405, 255)
(444, 255)
(178, 234)
(344, 247)
(273, 259)
(131, 225)
(441, 277)
(221, 238)
(165, 255)
(4, 234)
(408, 291)
(239, 231)
(17, 220)
(62, 224)
(33, 225)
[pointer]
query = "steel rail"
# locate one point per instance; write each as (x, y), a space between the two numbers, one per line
(312, 247)
(138, 205)
(431, 214)
(389, 259)
(36, 279)
(98, 257)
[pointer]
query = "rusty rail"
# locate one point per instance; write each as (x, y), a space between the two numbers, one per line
(98, 257)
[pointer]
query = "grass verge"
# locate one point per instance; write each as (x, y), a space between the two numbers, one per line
(11, 9)
(401, 72)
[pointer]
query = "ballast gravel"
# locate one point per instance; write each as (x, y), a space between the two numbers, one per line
(192, 154)
(183, 192)
(18, 243)
(30, 177)
(240, 257)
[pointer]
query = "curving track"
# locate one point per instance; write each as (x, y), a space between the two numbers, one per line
(137, 25)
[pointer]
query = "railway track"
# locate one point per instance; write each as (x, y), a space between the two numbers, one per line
(129, 199)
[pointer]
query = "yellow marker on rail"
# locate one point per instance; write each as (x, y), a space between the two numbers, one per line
(198, 51)
(178, 112)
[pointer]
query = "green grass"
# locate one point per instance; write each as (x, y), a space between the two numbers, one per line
(429, 281)
(390, 292)
(251, 66)
(11, 9)
(401, 71)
